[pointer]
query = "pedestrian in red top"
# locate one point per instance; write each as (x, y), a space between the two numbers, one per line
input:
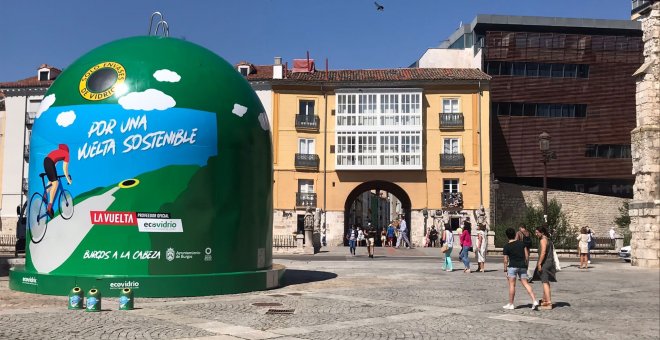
(61, 154)
(466, 244)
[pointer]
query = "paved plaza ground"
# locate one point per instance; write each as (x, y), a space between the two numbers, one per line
(398, 295)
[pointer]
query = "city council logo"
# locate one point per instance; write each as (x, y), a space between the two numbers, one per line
(169, 254)
(102, 80)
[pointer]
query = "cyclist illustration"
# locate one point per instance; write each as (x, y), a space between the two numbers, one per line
(57, 155)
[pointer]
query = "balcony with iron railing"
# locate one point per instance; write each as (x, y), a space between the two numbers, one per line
(452, 162)
(306, 199)
(452, 121)
(30, 117)
(26, 153)
(452, 200)
(307, 122)
(307, 161)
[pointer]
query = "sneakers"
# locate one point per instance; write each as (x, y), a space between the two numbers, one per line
(509, 306)
(535, 305)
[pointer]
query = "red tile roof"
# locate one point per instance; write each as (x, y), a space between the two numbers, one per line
(265, 72)
(28, 82)
(397, 74)
(33, 81)
(261, 72)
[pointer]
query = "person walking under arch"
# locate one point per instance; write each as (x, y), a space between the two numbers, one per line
(403, 236)
(352, 239)
(371, 239)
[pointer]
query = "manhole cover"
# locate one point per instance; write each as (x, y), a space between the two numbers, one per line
(280, 311)
(295, 294)
(266, 304)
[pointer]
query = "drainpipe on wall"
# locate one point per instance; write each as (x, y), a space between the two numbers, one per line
(481, 176)
(325, 155)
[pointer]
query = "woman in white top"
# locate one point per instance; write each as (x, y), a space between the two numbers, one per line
(482, 244)
(583, 247)
(360, 237)
(448, 239)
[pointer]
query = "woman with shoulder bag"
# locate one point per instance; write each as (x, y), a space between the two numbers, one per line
(448, 239)
(545, 269)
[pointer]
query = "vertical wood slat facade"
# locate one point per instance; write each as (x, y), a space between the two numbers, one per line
(608, 92)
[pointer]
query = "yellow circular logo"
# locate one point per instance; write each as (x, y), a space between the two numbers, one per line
(129, 183)
(101, 80)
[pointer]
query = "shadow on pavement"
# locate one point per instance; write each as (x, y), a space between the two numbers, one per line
(295, 276)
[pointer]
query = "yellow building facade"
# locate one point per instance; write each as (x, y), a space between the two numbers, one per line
(420, 135)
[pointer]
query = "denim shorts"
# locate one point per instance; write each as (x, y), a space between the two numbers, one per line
(519, 272)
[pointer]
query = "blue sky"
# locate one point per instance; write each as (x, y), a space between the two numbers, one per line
(350, 33)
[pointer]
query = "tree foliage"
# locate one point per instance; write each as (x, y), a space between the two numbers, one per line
(562, 233)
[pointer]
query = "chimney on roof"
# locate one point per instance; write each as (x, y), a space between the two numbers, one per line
(278, 69)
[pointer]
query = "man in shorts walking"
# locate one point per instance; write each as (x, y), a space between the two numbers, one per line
(371, 238)
(516, 260)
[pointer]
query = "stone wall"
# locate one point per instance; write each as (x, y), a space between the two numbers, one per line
(645, 138)
(595, 211)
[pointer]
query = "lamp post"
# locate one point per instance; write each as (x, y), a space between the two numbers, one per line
(547, 155)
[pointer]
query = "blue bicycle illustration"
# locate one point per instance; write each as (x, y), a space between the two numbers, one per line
(38, 214)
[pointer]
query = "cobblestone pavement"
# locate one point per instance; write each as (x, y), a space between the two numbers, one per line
(360, 298)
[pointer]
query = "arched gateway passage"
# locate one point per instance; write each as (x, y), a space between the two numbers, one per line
(377, 186)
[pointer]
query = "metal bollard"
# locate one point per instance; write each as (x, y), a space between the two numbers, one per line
(76, 298)
(126, 299)
(93, 300)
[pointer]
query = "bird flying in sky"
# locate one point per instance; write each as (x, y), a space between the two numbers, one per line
(379, 7)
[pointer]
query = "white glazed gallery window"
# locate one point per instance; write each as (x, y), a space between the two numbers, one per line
(306, 146)
(389, 108)
(306, 186)
(450, 105)
(410, 148)
(450, 185)
(389, 148)
(451, 146)
(378, 129)
(346, 110)
(367, 149)
(367, 110)
(346, 147)
(411, 109)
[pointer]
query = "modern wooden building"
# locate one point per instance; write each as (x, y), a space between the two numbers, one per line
(569, 77)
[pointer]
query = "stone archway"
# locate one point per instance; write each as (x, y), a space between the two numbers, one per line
(390, 187)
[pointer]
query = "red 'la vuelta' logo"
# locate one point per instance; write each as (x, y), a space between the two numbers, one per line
(113, 217)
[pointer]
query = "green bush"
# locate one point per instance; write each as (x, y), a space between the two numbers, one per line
(563, 235)
(623, 222)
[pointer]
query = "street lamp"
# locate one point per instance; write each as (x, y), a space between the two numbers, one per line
(547, 155)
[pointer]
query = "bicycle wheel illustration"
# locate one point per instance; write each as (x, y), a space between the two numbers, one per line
(37, 222)
(66, 204)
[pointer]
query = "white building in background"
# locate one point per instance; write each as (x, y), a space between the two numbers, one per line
(20, 102)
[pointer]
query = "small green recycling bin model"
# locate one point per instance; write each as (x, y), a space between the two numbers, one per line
(76, 298)
(151, 169)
